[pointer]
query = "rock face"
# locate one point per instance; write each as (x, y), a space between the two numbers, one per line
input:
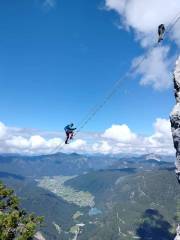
(39, 236)
(177, 233)
(175, 115)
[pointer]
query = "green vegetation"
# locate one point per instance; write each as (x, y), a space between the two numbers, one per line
(74, 229)
(123, 194)
(56, 185)
(15, 223)
(77, 215)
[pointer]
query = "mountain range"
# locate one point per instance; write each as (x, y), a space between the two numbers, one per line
(97, 197)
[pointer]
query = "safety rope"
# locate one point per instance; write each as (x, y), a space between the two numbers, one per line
(132, 70)
(117, 84)
(172, 24)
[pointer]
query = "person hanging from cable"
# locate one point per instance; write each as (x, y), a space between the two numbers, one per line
(161, 31)
(69, 130)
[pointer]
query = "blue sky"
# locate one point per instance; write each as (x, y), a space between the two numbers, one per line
(58, 63)
(60, 58)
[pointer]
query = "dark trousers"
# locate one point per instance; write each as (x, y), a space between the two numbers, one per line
(69, 135)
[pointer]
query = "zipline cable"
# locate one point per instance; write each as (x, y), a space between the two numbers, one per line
(117, 84)
(132, 70)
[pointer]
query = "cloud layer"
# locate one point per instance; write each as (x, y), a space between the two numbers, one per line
(117, 139)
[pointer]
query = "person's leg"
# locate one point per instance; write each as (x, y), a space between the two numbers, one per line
(160, 38)
(160, 33)
(67, 138)
(71, 135)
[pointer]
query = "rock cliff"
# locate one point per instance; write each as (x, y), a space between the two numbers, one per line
(175, 117)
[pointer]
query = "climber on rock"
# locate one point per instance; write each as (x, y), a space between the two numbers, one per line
(161, 31)
(69, 129)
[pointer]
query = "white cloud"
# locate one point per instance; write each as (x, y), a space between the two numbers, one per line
(176, 33)
(18, 142)
(120, 133)
(37, 142)
(144, 17)
(3, 130)
(126, 141)
(163, 127)
(116, 139)
(102, 147)
(162, 135)
(78, 145)
(49, 3)
(155, 69)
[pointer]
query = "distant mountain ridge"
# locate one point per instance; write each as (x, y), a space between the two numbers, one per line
(68, 164)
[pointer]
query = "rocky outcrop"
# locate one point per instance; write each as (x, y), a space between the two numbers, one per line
(39, 236)
(175, 115)
(175, 127)
(177, 233)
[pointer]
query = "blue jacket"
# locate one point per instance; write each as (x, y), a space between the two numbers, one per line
(69, 128)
